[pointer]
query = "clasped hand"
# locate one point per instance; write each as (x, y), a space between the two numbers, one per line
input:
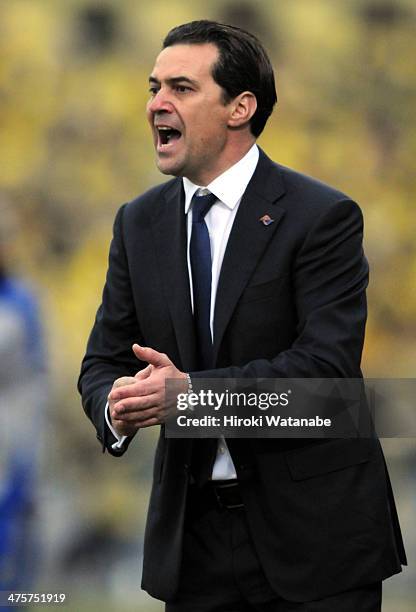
(139, 401)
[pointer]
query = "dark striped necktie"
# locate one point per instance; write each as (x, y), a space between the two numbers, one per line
(201, 265)
(204, 451)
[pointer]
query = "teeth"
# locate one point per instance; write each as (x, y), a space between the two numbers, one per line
(167, 133)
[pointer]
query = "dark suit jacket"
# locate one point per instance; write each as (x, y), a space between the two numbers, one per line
(290, 303)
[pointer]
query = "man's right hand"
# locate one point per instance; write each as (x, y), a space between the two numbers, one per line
(122, 427)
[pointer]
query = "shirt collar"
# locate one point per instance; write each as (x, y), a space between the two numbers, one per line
(230, 185)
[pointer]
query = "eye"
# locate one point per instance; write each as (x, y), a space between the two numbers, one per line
(182, 88)
(153, 90)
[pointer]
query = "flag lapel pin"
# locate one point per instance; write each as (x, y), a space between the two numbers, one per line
(266, 220)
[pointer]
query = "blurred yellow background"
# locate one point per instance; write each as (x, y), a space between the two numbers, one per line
(74, 145)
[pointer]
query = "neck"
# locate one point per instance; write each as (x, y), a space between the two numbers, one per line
(229, 159)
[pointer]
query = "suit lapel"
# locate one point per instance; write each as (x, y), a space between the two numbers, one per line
(248, 240)
(169, 223)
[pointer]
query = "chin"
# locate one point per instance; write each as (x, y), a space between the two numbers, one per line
(170, 169)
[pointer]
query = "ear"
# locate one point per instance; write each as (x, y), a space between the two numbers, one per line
(243, 108)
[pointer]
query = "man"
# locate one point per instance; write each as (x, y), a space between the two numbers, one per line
(22, 401)
(268, 281)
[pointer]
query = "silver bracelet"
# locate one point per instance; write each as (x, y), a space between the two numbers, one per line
(190, 389)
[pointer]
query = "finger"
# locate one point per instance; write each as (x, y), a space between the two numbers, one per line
(142, 374)
(142, 388)
(124, 380)
(137, 418)
(149, 423)
(159, 360)
(135, 404)
(123, 428)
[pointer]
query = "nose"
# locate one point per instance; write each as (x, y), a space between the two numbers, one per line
(159, 103)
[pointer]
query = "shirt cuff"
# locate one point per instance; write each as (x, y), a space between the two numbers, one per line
(120, 439)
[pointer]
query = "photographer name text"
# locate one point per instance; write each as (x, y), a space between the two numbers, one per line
(252, 421)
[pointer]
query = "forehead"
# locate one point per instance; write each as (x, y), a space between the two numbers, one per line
(191, 60)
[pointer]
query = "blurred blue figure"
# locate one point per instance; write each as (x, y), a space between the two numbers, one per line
(22, 400)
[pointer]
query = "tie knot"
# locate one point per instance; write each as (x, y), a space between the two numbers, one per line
(201, 205)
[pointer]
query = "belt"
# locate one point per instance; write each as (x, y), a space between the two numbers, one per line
(227, 493)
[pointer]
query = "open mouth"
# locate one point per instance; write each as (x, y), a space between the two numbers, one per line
(167, 135)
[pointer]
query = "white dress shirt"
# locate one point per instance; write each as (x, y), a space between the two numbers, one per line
(229, 188)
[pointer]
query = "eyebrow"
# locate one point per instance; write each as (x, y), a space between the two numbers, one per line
(174, 80)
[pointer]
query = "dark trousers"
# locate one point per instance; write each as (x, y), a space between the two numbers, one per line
(221, 571)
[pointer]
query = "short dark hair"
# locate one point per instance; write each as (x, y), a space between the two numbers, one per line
(243, 63)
